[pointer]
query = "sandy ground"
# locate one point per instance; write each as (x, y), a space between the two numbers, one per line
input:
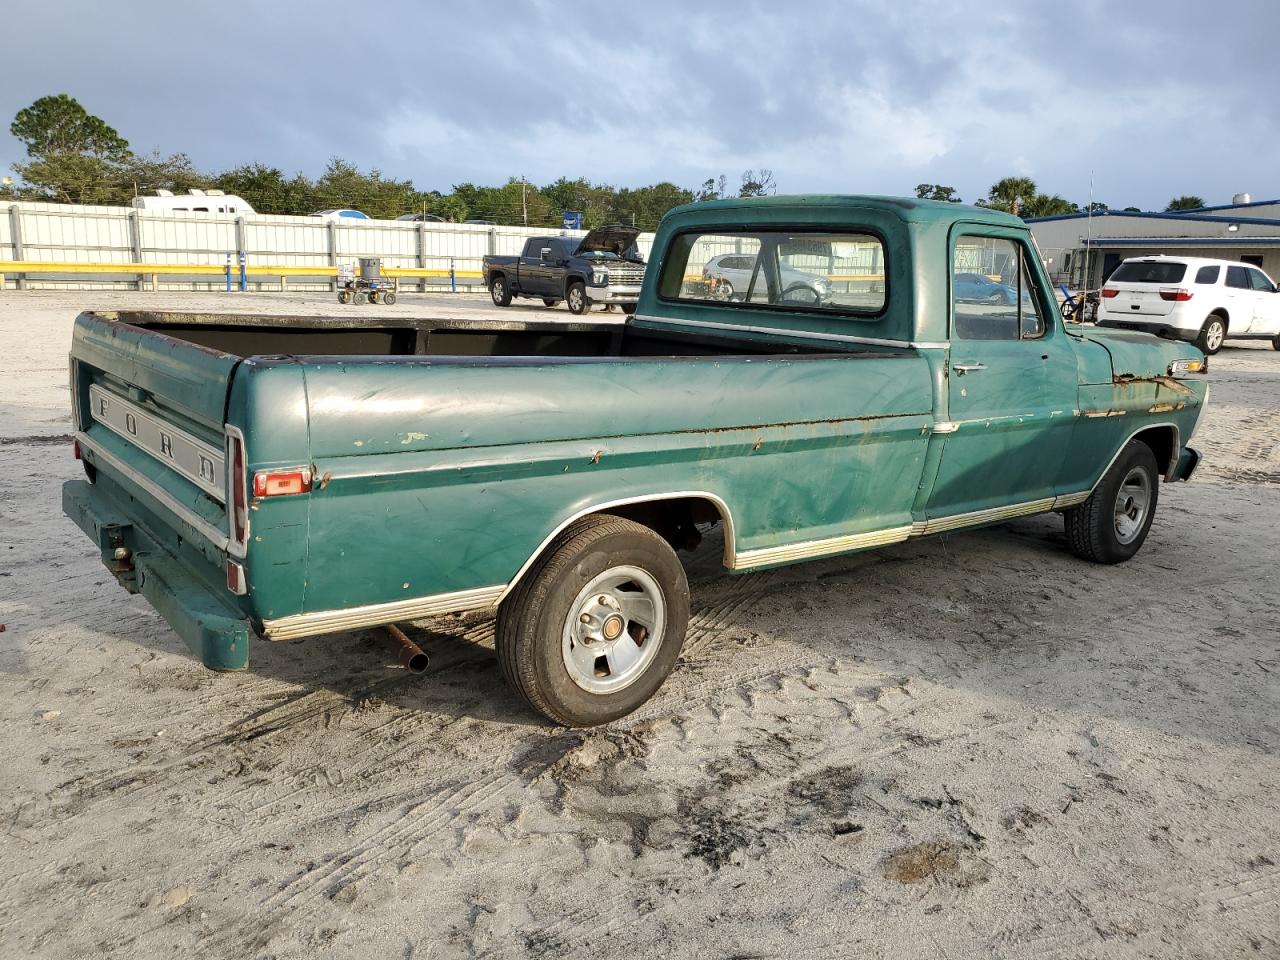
(970, 746)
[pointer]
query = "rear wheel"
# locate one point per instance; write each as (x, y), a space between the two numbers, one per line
(500, 292)
(1212, 334)
(576, 297)
(389, 298)
(359, 297)
(1111, 526)
(344, 296)
(596, 625)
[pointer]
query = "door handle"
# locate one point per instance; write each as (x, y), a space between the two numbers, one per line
(962, 368)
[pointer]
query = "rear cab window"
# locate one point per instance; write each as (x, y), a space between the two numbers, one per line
(819, 271)
(1149, 271)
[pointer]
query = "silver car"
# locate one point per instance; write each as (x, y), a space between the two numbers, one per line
(729, 276)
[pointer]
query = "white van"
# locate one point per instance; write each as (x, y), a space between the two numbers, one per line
(197, 201)
(1196, 299)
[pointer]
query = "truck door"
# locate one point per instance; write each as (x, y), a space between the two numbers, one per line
(533, 268)
(1012, 381)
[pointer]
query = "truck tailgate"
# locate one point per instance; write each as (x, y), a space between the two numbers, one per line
(149, 413)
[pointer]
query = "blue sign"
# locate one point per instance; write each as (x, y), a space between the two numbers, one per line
(572, 220)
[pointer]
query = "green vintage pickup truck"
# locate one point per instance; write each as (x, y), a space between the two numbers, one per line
(816, 375)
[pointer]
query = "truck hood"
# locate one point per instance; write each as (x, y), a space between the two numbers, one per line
(613, 237)
(1139, 355)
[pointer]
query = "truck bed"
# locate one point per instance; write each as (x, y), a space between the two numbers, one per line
(249, 335)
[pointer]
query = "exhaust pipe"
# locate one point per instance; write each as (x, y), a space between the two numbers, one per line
(411, 655)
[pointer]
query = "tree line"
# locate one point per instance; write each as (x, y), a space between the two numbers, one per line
(1021, 197)
(76, 157)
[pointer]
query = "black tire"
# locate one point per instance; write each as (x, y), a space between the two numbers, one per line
(389, 298)
(500, 291)
(344, 296)
(1093, 528)
(1210, 341)
(359, 297)
(533, 620)
(576, 298)
(550, 302)
(375, 296)
(723, 290)
(1275, 342)
(630, 308)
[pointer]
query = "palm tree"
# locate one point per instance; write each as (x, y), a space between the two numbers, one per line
(1011, 194)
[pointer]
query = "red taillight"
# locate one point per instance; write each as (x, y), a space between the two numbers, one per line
(1175, 295)
(1109, 292)
(281, 483)
(235, 579)
(239, 495)
(75, 449)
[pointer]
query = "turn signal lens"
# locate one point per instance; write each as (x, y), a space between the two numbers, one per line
(281, 483)
(1109, 292)
(1180, 367)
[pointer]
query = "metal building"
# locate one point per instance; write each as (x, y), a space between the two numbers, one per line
(1081, 252)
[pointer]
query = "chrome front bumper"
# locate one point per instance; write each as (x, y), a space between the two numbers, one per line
(614, 293)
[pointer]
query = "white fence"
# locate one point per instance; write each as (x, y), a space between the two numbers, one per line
(73, 246)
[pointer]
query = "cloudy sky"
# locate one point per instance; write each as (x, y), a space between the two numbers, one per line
(1155, 99)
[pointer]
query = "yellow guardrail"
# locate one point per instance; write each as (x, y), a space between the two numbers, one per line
(155, 270)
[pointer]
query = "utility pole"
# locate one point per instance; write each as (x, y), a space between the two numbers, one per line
(524, 204)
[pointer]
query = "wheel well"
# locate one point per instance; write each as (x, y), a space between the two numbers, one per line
(1226, 320)
(675, 519)
(1163, 443)
(497, 275)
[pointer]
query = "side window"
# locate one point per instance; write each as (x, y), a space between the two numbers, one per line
(1260, 281)
(1238, 277)
(992, 293)
(838, 273)
(1208, 274)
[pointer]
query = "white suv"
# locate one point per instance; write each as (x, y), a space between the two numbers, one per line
(1191, 298)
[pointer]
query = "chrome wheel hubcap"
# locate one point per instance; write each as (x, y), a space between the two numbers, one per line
(575, 298)
(1215, 336)
(1133, 503)
(614, 630)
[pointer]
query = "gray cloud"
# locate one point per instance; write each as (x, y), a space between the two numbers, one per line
(1156, 99)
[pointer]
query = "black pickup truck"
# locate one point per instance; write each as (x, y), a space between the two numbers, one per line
(604, 267)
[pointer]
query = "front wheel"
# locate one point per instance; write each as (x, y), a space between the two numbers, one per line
(576, 297)
(1111, 526)
(1212, 334)
(597, 624)
(500, 292)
